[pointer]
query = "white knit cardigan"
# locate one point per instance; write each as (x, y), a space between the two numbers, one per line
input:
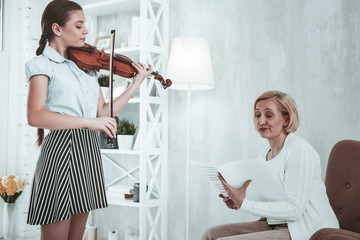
(307, 209)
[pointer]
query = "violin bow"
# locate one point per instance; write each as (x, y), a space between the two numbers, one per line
(111, 113)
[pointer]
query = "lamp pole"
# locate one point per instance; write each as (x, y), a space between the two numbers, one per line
(187, 161)
(190, 69)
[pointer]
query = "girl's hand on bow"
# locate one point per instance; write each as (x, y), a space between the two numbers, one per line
(142, 73)
(236, 195)
(104, 124)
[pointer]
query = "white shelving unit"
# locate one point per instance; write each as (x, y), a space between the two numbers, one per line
(108, 7)
(151, 165)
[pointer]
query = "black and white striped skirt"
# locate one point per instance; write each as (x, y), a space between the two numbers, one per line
(68, 177)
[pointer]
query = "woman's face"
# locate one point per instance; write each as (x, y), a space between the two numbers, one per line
(74, 32)
(269, 120)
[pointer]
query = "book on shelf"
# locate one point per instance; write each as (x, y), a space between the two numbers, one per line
(128, 196)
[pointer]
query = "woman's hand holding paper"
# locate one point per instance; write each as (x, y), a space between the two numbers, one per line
(236, 195)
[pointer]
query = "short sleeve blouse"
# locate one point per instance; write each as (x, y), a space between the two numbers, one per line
(71, 91)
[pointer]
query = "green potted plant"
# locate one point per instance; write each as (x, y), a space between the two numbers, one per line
(125, 134)
(103, 81)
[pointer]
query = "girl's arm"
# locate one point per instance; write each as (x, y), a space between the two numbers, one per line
(121, 101)
(39, 117)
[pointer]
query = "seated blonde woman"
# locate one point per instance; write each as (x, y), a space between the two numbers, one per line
(296, 165)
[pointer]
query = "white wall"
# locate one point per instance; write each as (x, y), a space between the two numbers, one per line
(308, 49)
(22, 27)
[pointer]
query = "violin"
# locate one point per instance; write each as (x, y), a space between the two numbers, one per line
(89, 58)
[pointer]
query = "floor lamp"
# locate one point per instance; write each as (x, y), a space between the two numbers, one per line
(190, 69)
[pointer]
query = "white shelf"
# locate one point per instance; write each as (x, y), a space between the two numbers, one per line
(153, 100)
(118, 151)
(136, 50)
(131, 203)
(101, 8)
(123, 202)
(153, 151)
(127, 50)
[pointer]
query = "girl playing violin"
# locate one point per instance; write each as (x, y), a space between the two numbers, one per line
(68, 181)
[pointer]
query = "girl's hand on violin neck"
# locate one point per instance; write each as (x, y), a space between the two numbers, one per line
(105, 124)
(142, 73)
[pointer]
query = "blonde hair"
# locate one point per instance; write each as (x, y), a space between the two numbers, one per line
(287, 107)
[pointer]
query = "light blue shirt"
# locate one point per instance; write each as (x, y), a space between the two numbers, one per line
(71, 91)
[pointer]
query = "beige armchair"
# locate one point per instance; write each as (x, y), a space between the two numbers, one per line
(343, 188)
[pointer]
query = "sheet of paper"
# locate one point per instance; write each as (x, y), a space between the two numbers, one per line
(263, 186)
(210, 173)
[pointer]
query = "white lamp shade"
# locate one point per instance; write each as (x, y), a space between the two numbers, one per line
(189, 65)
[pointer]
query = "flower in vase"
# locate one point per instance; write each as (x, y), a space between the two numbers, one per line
(11, 187)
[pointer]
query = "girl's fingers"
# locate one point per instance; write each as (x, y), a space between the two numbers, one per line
(143, 65)
(137, 67)
(113, 123)
(107, 131)
(111, 129)
(150, 69)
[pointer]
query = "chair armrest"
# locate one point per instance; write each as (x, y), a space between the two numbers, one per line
(335, 234)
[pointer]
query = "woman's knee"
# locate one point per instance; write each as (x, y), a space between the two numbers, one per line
(233, 229)
(210, 234)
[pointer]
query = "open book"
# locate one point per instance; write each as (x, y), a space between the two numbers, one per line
(263, 186)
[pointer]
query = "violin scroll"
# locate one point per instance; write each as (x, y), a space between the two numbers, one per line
(165, 83)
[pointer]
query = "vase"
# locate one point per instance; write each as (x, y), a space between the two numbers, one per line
(90, 232)
(8, 221)
(125, 142)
